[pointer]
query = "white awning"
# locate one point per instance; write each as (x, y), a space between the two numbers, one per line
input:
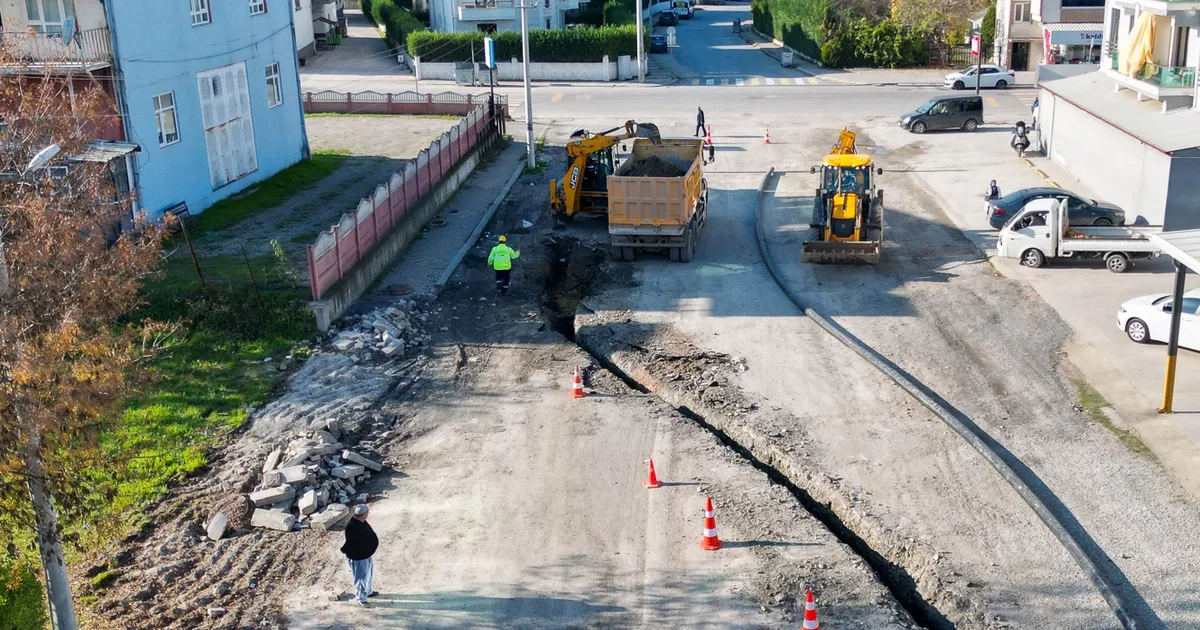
(1183, 246)
(1075, 34)
(104, 151)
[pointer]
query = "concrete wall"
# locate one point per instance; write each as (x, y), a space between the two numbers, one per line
(89, 14)
(1116, 166)
(1183, 195)
(1063, 70)
(341, 296)
(512, 71)
(305, 41)
(160, 51)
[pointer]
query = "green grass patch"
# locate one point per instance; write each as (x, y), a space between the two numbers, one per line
(270, 192)
(539, 167)
(211, 371)
(1093, 404)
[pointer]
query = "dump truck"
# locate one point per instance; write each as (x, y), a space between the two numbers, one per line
(1040, 232)
(658, 199)
(584, 187)
(847, 216)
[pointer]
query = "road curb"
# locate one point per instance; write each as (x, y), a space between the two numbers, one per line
(483, 221)
(974, 435)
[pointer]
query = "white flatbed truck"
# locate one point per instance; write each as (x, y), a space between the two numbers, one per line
(1039, 232)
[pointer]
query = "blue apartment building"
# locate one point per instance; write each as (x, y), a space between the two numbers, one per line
(211, 95)
(205, 93)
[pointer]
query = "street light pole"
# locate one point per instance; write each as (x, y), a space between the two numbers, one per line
(641, 72)
(978, 59)
(531, 158)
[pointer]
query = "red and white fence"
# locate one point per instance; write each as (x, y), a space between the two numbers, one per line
(336, 252)
(369, 102)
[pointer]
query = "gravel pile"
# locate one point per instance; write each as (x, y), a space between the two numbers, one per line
(388, 332)
(654, 166)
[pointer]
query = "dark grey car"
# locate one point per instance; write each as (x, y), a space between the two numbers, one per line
(945, 112)
(1081, 211)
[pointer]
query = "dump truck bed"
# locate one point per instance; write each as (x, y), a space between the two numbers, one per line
(656, 189)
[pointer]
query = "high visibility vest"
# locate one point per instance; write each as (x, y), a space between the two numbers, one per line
(502, 256)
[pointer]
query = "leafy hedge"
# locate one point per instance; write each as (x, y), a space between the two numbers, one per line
(841, 40)
(615, 14)
(583, 45)
(395, 18)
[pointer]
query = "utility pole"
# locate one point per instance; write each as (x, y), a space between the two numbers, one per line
(532, 159)
(641, 72)
(977, 48)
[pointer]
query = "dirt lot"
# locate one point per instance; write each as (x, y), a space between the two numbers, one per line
(378, 146)
(505, 503)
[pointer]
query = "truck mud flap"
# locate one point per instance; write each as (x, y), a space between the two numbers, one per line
(840, 253)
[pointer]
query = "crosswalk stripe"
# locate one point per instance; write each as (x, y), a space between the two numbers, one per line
(709, 82)
(770, 81)
(695, 81)
(740, 82)
(753, 81)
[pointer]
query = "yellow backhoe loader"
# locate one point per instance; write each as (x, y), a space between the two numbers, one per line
(584, 187)
(847, 216)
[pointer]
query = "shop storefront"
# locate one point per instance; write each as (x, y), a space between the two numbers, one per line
(1071, 43)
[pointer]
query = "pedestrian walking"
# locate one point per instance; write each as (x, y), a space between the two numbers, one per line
(501, 260)
(699, 122)
(993, 193)
(360, 546)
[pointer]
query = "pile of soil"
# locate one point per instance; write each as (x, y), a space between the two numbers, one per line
(654, 166)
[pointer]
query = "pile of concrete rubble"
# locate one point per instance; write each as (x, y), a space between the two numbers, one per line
(388, 332)
(308, 483)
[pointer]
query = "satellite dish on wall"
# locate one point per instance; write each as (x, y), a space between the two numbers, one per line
(68, 35)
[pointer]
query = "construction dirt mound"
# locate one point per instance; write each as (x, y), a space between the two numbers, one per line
(654, 166)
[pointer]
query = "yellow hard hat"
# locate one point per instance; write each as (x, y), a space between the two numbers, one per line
(503, 239)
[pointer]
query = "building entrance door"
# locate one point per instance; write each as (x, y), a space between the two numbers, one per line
(1020, 56)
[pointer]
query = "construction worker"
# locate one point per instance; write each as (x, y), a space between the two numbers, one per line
(501, 260)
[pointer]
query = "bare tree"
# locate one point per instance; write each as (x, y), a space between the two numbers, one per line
(66, 356)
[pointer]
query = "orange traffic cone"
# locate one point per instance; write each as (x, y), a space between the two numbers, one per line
(651, 478)
(810, 613)
(708, 135)
(577, 385)
(710, 542)
(767, 137)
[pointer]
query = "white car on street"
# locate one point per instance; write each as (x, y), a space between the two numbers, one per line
(992, 77)
(1148, 318)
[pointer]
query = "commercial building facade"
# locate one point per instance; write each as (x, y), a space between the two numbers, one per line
(1033, 32)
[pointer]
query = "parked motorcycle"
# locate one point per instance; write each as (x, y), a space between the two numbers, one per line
(1020, 139)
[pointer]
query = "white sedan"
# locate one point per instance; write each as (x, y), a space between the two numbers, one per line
(992, 77)
(1148, 318)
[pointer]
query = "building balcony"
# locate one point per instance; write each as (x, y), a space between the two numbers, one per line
(88, 50)
(1160, 7)
(487, 10)
(1173, 86)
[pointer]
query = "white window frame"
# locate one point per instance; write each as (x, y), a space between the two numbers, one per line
(274, 81)
(1021, 12)
(160, 114)
(39, 23)
(258, 7)
(201, 12)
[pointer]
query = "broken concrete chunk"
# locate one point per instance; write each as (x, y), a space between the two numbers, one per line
(355, 458)
(393, 349)
(272, 478)
(325, 437)
(273, 519)
(342, 344)
(362, 498)
(217, 526)
(348, 471)
(272, 461)
(297, 459)
(327, 449)
(330, 517)
(294, 474)
(308, 502)
(272, 495)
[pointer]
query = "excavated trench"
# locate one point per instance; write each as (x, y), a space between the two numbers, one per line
(573, 268)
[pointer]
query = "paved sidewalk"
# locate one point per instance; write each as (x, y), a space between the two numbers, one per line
(427, 257)
(362, 52)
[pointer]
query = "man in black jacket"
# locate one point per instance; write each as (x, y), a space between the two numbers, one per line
(699, 122)
(361, 543)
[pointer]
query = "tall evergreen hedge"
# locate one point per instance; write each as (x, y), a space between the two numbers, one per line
(394, 17)
(841, 40)
(582, 45)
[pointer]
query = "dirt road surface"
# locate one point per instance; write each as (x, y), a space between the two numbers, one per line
(517, 506)
(918, 494)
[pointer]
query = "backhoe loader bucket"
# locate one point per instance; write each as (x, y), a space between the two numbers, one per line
(649, 130)
(840, 252)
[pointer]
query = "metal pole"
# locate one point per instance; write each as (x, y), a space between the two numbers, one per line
(640, 70)
(531, 159)
(1173, 343)
(978, 62)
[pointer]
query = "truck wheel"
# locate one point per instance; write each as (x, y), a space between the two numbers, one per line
(1033, 258)
(1117, 263)
(1137, 330)
(689, 247)
(627, 254)
(674, 254)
